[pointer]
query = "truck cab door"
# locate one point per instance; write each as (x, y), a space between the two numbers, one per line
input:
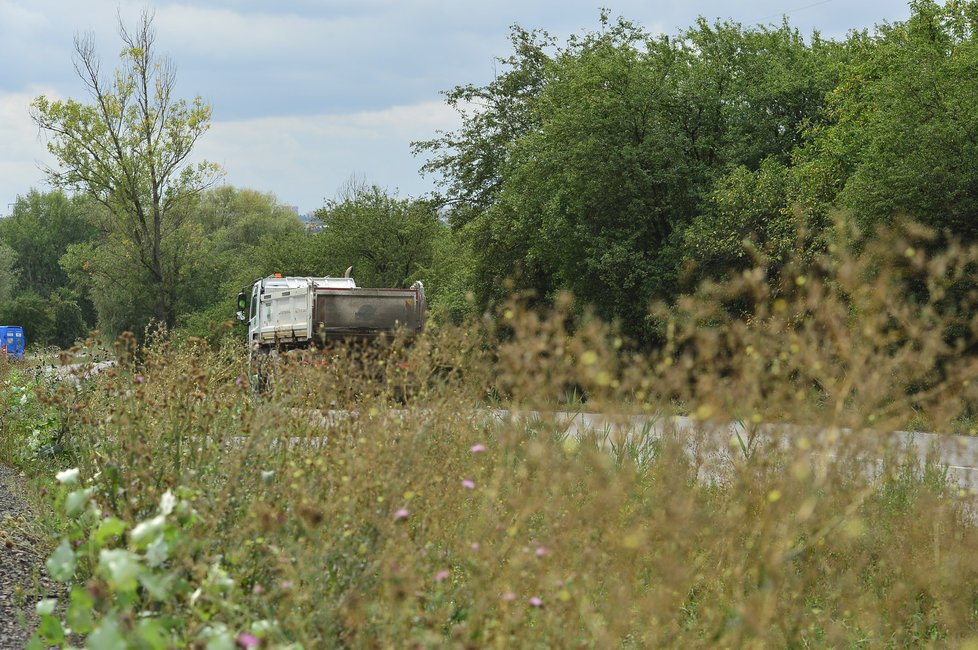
(253, 316)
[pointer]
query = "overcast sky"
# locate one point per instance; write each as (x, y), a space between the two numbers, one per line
(307, 93)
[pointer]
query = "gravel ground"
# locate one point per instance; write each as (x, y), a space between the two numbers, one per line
(20, 567)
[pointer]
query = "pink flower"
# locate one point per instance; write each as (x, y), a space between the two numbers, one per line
(286, 585)
(541, 551)
(474, 546)
(535, 602)
(509, 596)
(258, 590)
(401, 514)
(468, 484)
(442, 575)
(247, 640)
(139, 379)
(477, 448)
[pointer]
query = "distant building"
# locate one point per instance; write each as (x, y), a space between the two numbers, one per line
(311, 222)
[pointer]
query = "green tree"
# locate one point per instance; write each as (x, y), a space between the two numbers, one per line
(39, 229)
(386, 239)
(128, 150)
(238, 233)
(468, 164)
(68, 321)
(902, 139)
(239, 217)
(622, 138)
(449, 278)
(9, 277)
(750, 218)
(33, 313)
(119, 290)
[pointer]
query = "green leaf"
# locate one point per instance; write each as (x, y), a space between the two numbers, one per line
(80, 608)
(157, 552)
(217, 637)
(147, 530)
(76, 501)
(61, 564)
(121, 568)
(157, 586)
(50, 630)
(107, 636)
(45, 606)
(152, 634)
(107, 529)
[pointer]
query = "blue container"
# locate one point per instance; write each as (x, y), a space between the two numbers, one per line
(12, 340)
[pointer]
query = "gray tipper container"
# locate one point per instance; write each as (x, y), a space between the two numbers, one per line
(343, 313)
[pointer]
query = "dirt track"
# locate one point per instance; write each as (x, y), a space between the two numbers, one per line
(21, 566)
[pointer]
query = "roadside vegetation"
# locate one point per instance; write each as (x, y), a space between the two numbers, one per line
(760, 243)
(375, 499)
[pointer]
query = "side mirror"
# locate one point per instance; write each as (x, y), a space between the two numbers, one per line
(242, 305)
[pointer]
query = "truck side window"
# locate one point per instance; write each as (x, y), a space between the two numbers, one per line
(254, 306)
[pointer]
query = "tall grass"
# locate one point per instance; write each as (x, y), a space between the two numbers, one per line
(376, 498)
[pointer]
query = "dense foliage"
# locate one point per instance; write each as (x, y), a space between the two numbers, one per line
(382, 499)
(626, 167)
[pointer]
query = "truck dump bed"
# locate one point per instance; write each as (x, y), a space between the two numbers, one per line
(359, 313)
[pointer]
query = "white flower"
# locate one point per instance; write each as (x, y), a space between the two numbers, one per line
(167, 503)
(147, 530)
(157, 552)
(68, 476)
(46, 606)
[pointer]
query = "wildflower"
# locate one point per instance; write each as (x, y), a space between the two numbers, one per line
(542, 551)
(509, 596)
(258, 590)
(45, 606)
(68, 477)
(535, 602)
(286, 585)
(477, 448)
(147, 530)
(442, 575)
(468, 484)
(401, 514)
(247, 640)
(474, 546)
(167, 503)
(138, 379)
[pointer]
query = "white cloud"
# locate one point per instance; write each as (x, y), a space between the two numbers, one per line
(305, 159)
(18, 18)
(22, 149)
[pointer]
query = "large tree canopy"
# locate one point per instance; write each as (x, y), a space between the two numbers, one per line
(583, 165)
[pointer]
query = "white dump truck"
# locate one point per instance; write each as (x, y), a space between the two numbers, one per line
(297, 312)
